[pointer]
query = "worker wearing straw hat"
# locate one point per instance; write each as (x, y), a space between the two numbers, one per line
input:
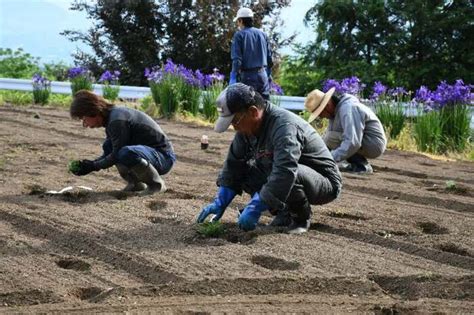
(354, 133)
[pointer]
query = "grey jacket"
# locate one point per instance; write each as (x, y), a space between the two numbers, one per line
(284, 141)
(358, 124)
(125, 127)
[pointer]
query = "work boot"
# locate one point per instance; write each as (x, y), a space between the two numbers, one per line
(147, 173)
(300, 218)
(344, 166)
(132, 183)
(282, 218)
(360, 165)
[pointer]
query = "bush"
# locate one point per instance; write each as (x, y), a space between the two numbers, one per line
(209, 101)
(16, 97)
(81, 79)
(428, 132)
(167, 91)
(17, 64)
(449, 116)
(189, 97)
(391, 116)
(455, 127)
(41, 89)
(175, 87)
(111, 84)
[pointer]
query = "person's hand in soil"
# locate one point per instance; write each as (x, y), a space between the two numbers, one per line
(217, 207)
(249, 217)
(85, 167)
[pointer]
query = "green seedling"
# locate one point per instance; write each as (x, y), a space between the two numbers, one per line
(451, 185)
(74, 166)
(211, 229)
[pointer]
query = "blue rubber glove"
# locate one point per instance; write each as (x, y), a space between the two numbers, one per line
(233, 78)
(223, 199)
(249, 218)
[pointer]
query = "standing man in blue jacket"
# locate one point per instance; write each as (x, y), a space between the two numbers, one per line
(251, 55)
(277, 158)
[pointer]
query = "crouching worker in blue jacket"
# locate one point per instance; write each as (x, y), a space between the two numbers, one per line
(276, 157)
(134, 143)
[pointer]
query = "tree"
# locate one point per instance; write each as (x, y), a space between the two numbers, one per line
(17, 64)
(410, 43)
(133, 35)
(127, 35)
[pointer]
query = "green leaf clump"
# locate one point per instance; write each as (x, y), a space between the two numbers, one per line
(211, 229)
(73, 166)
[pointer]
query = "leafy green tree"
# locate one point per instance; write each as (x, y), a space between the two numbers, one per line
(409, 43)
(133, 35)
(126, 35)
(17, 64)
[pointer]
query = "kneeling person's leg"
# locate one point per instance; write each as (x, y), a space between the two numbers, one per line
(133, 184)
(311, 188)
(146, 164)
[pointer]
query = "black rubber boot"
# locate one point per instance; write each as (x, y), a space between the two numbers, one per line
(300, 219)
(147, 173)
(282, 218)
(132, 182)
(299, 210)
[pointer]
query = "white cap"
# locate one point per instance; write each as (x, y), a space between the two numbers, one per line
(244, 13)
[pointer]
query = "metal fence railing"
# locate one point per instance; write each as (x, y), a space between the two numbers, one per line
(127, 92)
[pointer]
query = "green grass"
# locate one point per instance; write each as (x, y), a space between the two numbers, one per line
(211, 229)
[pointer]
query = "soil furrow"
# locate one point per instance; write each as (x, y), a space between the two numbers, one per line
(73, 242)
(454, 260)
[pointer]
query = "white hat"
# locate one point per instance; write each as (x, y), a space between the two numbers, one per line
(244, 13)
(316, 101)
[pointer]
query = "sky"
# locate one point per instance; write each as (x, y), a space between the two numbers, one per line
(34, 25)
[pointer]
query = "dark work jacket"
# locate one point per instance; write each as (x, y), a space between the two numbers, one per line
(125, 127)
(284, 141)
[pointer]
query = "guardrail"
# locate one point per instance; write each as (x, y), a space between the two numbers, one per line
(295, 103)
(128, 92)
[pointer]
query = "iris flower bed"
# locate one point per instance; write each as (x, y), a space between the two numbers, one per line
(175, 88)
(41, 89)
(111, 84)
(442, 122)
(81, 79)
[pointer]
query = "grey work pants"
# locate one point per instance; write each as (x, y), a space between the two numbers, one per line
(372, 147)
(310, 187)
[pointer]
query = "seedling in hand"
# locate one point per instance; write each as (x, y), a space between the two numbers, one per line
(74, 166)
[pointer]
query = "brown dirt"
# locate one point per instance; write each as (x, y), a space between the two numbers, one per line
(395, 242)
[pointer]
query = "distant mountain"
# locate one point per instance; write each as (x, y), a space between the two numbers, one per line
(35, 26)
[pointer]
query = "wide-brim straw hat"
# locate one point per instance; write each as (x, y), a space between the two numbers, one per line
(316, 101)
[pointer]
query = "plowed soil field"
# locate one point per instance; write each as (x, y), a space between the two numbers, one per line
(400, 240)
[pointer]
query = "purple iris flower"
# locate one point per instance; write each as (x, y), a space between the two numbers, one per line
(378, 90)
(76, 71)
(40, 82)
(275, 88)
(352, 85)
(330, 83)
(110, 76)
